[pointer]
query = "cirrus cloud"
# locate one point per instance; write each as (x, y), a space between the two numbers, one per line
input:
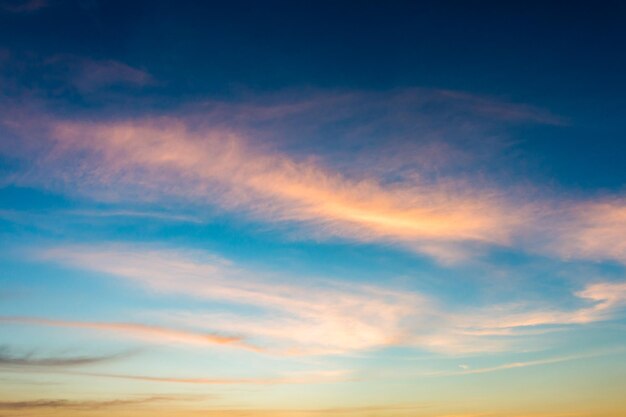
(324, 317)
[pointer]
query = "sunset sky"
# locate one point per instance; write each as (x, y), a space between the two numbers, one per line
(312, 208)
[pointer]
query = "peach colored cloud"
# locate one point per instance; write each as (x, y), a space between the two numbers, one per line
(323, 317)
(496, 327)
(328, 317)
(221, 156)
(159, 158)
(137, 331)
(601, 299)
(594, 230)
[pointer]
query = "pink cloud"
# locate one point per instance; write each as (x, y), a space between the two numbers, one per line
(593, 230)
(328, 317)
(167, 158)
(390, 198)
(138, 331)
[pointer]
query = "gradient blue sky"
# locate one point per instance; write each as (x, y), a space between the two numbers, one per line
(312, 208)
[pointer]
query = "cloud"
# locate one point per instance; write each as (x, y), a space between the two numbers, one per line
(139, 331)
(166, 217)
(603, 299)
(324, 317)
(593, 230)
(89, 75)
(82, 404)
(30, 360)
(329, 317)
(490, 107)
(524, 364)
(382, 409)
(311, 377)
(499, 327)
(417, 193)
(401, 108)
(376, 175)
(166, 158)
(23, 6)
(35, 82)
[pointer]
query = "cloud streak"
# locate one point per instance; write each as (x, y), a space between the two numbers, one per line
(90, 75)
(327, 317)
(219, 167)
(82, 404)
(8, 359)
(524, 364)
(315, 377)
(225, 157)
(138, 331)
(324, 317)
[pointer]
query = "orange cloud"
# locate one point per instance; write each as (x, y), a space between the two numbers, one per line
(138, 331)
(165, 157)
(220, 155)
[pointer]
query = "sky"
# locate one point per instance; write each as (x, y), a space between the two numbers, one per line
(313, 208)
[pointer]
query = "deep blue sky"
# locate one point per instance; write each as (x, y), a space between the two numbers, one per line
(539, 51)
(567, 57)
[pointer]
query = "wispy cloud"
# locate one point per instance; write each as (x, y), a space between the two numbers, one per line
(498, 109)
(311, 377)
(10, 359)
(523, 364)
(603, 299)
(81, 404)
(23, 6)
(33, 82)
(247, 156)
(167, 217)
(592, 230)
(225, 156)
(139, 331)
(92, 405)
(89, 75)
(165, 157)
(324, 317)
(498, 327)
(327, 316)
